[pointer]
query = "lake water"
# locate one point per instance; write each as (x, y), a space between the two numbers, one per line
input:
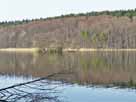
(76, 77)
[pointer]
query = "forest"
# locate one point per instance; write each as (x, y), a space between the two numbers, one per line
(105, 29)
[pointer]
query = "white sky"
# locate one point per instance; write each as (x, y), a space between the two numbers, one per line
(28, 9)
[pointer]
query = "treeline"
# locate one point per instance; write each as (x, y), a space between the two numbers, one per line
(8, 23)
(73, 31)
(118, 13)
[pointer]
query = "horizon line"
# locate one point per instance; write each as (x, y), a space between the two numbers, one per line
(74, 13)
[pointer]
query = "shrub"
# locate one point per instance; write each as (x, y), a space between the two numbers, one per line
(85, 34)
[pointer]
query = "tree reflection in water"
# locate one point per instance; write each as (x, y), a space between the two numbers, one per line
(39, 90)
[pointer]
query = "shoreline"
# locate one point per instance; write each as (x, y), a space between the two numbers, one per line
(32, 50)
(23, 50)
(93, 50)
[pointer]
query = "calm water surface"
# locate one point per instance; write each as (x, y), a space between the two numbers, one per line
(85, 77)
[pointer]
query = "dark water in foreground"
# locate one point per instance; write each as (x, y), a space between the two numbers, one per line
(85, 77)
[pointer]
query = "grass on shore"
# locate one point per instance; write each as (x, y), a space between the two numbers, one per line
(56, 50)
(20, 50)
(92, 49)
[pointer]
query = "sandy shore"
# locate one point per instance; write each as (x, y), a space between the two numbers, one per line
(31, 50)
(19, 50)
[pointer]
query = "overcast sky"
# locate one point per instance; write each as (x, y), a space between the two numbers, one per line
(28, 9)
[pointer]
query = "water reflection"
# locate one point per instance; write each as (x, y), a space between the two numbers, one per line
(94, 76)
(88, 68)
(56, 91)
(38, 90)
